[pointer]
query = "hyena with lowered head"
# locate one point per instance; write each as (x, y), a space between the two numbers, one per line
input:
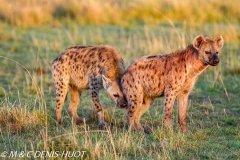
(87, 67)
(170, 75)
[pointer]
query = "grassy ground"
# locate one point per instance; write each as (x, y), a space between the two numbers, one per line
(27, 95)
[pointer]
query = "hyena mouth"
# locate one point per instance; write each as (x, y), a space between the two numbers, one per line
(122, 104)
(205, 62)
(212, 63)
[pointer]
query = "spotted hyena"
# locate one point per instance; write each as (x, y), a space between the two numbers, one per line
(167, 75)
(87, 67)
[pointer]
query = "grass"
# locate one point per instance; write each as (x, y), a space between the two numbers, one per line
(39, 13)
(27, 92)
(27, 120)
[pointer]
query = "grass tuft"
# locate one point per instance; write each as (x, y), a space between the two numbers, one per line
(18, 118)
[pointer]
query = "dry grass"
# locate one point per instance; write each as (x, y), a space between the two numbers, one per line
(27, 110)
(38, 13)
(18, 118)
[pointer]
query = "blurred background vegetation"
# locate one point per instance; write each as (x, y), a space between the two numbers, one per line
(32, 13)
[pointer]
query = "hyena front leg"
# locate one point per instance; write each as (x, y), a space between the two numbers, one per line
(182, 111)
(101, 122)
(168, 107)
(74, 102)
(95, 84)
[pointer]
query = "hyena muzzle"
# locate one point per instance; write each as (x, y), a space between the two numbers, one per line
(87, 67)
(171, 75)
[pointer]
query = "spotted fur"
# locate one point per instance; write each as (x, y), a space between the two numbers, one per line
(87, 67)
(170, 75)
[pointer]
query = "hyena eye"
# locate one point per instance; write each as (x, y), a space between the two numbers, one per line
(207, 52)
(216, 52)
(115, 95)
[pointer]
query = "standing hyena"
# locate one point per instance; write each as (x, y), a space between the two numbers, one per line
(170, 75)
(87, 67)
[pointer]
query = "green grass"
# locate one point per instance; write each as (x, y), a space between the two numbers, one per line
(27, 110)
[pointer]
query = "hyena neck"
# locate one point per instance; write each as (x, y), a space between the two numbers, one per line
(114, 73)
(195, 66)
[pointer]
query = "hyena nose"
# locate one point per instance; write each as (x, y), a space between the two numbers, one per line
(123, 105)
(216, 61)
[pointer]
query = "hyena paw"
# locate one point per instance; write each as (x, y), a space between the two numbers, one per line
(147, 129)
(79, 121)
(103, 125)
(184, 130)
(59, 122)
(168, 124)
(143, 129)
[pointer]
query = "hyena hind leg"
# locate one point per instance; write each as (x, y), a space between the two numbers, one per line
(133, 116)
(145, 106)
(74, 102)
(168, 108)
(61, 92)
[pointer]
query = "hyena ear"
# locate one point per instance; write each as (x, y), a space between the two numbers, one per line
(219, 40)
(106, 82)
(198, 41)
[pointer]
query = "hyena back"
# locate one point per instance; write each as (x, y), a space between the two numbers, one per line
(170, 75)
(87, 67)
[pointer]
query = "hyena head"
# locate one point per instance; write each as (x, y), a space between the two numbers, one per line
(208, 49)
(114, 91)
